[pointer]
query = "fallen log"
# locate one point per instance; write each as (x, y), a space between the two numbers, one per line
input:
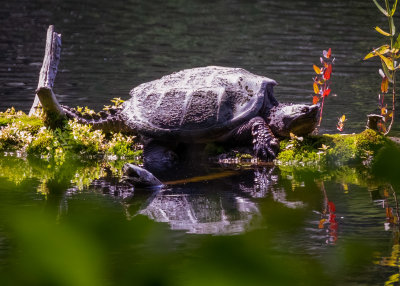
(45, 97)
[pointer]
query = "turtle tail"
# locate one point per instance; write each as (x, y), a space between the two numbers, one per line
(107, 121)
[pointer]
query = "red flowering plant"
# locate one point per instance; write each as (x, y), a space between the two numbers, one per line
(322, 80)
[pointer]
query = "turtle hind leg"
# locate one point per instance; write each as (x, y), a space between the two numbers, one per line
(265, 145)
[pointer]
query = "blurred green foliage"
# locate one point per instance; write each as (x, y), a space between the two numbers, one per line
(93, 243)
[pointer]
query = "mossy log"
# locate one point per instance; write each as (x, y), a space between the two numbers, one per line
(336, 150)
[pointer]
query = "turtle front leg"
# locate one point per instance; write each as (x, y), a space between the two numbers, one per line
(256, 132)
(265, 145)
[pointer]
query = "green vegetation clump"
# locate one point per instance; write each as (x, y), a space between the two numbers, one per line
(333, 150)
(29, 135)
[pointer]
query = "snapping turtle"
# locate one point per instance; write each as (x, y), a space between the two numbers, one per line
(206, 104)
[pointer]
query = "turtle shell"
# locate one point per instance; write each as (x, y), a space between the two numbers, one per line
(199, 104)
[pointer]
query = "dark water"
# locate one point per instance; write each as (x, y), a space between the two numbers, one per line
(76, 224)
(110, 47)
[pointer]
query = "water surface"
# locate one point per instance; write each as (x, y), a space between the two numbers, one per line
(108, 48)
(77, 223)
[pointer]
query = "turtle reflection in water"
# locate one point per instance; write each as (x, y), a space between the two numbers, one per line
(220, 203)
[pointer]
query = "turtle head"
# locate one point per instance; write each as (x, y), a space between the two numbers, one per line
(299, 119)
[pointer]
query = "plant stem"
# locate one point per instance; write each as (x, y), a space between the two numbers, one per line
(394, 71)
(393, 103)
(320, 114)
(322, 105)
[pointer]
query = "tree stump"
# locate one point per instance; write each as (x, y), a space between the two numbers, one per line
(44, 92)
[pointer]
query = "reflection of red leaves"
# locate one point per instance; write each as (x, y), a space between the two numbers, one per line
(331, 207)
(389, 215)
(385, 84)
(321, 223)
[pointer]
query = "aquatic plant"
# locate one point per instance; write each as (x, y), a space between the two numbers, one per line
(321, 83)
(388, 53)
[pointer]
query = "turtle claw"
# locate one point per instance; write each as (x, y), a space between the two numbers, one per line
(265, 145)
(266, 151)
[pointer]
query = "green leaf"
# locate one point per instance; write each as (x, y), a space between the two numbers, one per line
(381, 50)
(394, 8)
(387, 72)
(393, 27)
(397, 43)
(382, 32)
(387, 62)
(381, 9)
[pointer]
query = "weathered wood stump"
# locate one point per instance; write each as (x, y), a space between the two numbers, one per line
(373, 120)
(44, 92)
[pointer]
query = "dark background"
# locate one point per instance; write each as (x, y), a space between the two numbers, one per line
(111, 46)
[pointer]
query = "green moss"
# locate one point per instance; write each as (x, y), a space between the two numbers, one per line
(333, 150)
(25, 122)
(29, 135)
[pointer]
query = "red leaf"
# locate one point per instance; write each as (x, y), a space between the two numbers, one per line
(326, 92)
(315, 99)
(327, 54)
(327, 72)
